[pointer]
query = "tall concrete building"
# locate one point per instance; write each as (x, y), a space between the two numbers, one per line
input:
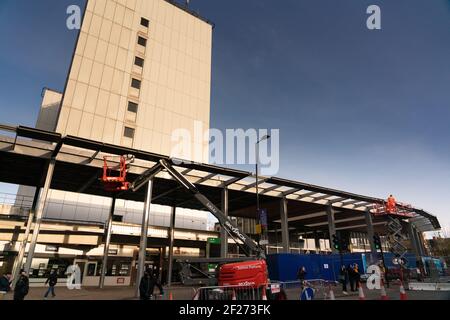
(140, 70)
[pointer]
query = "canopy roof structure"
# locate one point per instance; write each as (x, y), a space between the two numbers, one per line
(25, 153)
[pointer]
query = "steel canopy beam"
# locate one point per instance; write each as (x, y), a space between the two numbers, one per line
(267, 190)
(253, 184)
(206, 178)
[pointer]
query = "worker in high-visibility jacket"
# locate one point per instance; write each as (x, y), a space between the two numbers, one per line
(391, 206)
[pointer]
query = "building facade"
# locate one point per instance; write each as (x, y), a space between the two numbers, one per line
(141, 70)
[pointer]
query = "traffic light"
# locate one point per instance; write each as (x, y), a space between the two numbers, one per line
(336, 242)
(345, 245)
(377, 242)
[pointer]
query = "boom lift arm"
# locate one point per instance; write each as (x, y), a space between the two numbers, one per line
(247, 245)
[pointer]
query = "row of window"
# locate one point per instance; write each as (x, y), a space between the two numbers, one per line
(136, 83)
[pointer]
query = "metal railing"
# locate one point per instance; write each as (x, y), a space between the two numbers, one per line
(321, 287)
(245, 293)
(276, 290)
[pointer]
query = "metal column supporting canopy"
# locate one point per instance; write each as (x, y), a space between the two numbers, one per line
(19, 260)
(331, 226)
(144, 235)
(39, 214)
(223, 233)
(284, 225)
(370, 232)
(171, 244)
(107, 243)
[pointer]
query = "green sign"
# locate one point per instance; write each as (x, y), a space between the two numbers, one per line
(214, 240)
(212, 267)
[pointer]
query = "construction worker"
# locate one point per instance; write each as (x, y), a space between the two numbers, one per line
(357, 275)
(391, 204)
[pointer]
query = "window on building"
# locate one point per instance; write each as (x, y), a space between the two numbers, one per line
(145, 22)
(132, 107)
(135, 83)
(142, 41)
(129, 133)
(139, 62)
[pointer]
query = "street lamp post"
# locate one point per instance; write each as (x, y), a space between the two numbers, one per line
(266, 137)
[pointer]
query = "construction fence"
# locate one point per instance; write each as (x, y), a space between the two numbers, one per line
(290, 290)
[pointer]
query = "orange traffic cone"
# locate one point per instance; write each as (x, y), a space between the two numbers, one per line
(361, 292)
(170, 296)
(383, 291)
(402, 292)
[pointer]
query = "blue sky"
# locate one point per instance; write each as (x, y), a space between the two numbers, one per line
(364, 111)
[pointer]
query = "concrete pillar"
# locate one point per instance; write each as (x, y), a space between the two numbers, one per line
(40, 214)
(331, 226)
(171, 244)
(144, 235)
(284, 226)
(370, 231)
(108, 232)
(223, 233)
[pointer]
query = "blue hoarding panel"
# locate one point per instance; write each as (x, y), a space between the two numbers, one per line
(284, 267)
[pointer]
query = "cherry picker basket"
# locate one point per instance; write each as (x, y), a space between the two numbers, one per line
(115, 177)
(401, 209)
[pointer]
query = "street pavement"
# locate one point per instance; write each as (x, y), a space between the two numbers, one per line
(186, 293)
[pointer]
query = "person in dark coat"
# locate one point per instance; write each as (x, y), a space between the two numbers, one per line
(22, 286)
(343, 278)
(301, 274)
(5, 285)
(52, 280)
(155, 282)
(145, 286)
(351, 277)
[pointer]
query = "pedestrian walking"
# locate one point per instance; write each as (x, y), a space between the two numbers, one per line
(351, 277)
(155, 282)
(343, 278)
(22, 286)
(145, 285)
(357, 275)
(5, 285)
(301, 275)
(52, 280)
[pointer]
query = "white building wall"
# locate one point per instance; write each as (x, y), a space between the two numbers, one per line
(79, 207)
(175, 79)
(174, 94)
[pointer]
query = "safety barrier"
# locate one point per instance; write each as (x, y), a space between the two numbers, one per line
(321, 287)
(231, 293)
(290, 290)
(430, 286)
